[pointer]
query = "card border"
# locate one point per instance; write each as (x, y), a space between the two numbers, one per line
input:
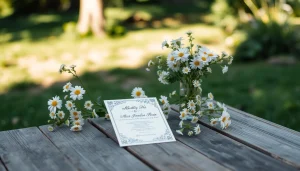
(132, 144)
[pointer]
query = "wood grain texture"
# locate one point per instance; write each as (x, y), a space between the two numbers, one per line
(165, 156)
(274, 140)
(29, 150)
(222, 149)
(92, 150)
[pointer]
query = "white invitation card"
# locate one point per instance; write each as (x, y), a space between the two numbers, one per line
(138, 121)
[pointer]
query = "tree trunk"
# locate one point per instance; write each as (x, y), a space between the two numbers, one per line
(91, 14)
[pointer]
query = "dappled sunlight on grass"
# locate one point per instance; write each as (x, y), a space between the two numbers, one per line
(38, 62)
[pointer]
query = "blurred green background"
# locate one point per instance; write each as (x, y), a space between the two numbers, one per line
(37, 36)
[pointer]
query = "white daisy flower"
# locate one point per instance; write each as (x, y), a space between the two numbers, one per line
(214, 121)
(182, 54)
(196, 63)
(88, 105)
(69, 105)
(75, 114)
(94, 114)
(52, 115)
(78, 122)
(107, 116)
(179, 132)
(163, 44)
(186, 70)
(200, 113)
(67, 122)
(196, 83)
(224, 69)
(181, 123)
(210, 96)
(50, 128)
(62, 68)
(198, 102)
(191, 104)
(192, 111)
(150, 63)
(61, 114)
(225, 120)
(183, 115)
(67, 87)
(209, 69)
(171, 58)
(137, 92)
(194, 119)
(164, 100)
(76, 128)
(204, 58)
(210, 105)
(77, 92)
(163, 77)
(174, 66)
(212, 55)
(197, 129)
(54, 104)
(147, 69)
(190, 133)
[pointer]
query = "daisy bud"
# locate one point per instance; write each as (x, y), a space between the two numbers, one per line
(62, 68)
(66, 96)
(50, 128)
(67, 122)
(147, 69)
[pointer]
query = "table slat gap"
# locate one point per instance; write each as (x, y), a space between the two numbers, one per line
(116, 140)
(245, 142)
(92, 150)
(223, 149)
(163, 161)
(2, 165)
(30, 149)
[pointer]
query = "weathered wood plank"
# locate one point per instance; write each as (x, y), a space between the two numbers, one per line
(92, 150)
(165, 156)
(29, 150)
(267, 137)
(222, 149)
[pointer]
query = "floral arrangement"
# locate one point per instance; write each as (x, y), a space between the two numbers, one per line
(185, 64)
(188, 65)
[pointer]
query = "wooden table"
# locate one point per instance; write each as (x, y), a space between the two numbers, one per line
(251, 143)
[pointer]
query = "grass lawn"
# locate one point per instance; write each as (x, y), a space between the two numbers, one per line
(32, 49)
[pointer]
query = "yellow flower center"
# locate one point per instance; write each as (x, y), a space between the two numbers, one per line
(60, 115)
(163, 102)
(224, 119)
(70, 104)
(88, 104)
(192, 104)
(77, 123)
(52, 114)
(138, 93)
(54, 103)
(196, 63)
(210, 54)
(203, 58)
(76, 119)
(75, 113)
(67, 86)
(180, 54)
(214, 122)
(172, 58)
(77, 92)
(76, 128)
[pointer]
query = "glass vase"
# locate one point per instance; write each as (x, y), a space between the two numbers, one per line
(188, 92)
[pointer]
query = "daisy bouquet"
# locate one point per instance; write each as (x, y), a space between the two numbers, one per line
(73, 112)
(188, 65)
